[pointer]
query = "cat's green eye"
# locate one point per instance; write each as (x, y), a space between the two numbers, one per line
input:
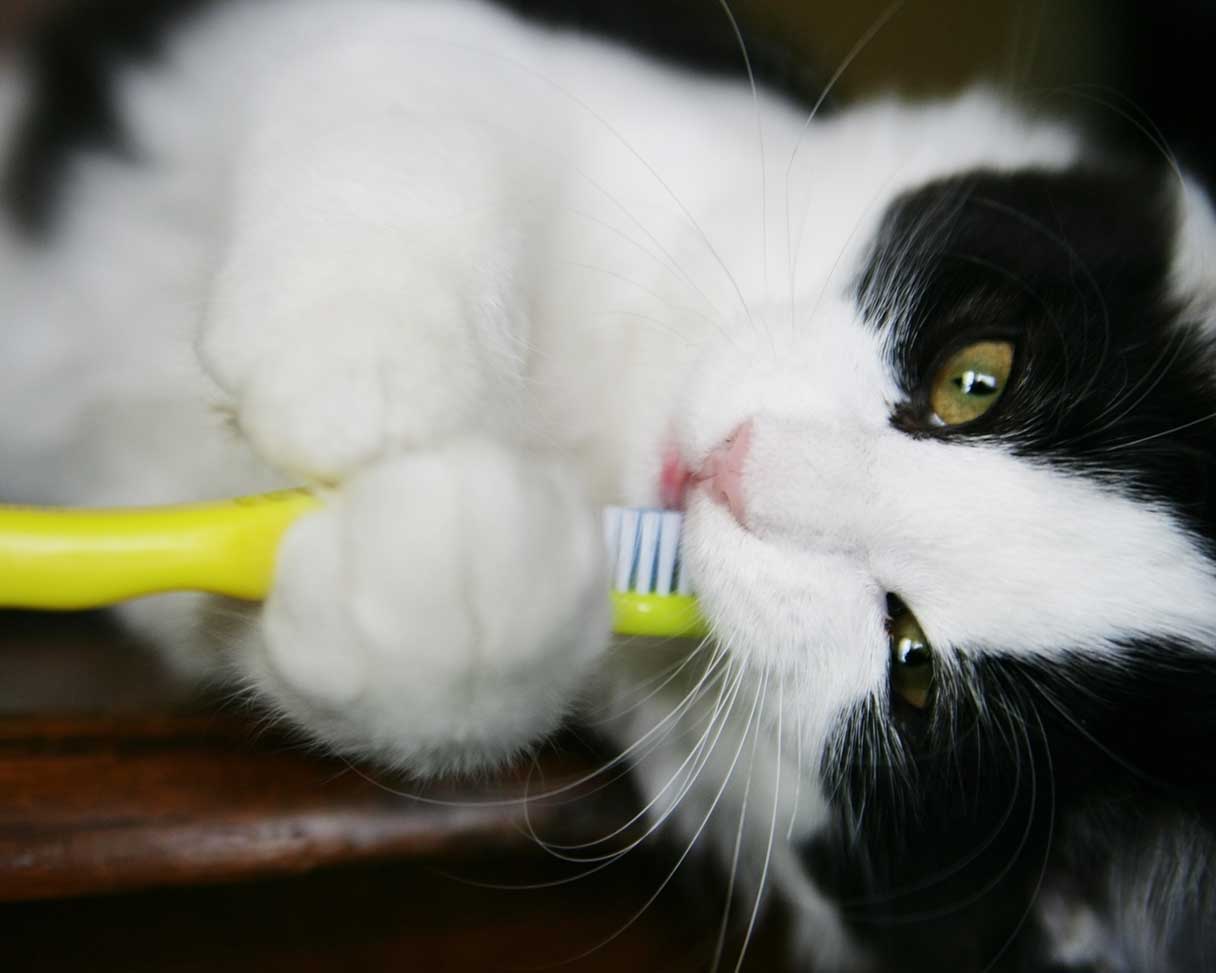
(971, 381)
(911, 660)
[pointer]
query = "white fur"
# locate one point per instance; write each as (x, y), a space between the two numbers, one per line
(473, 276)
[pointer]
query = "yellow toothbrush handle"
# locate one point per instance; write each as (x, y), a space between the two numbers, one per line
(64, 559)
(70, 559)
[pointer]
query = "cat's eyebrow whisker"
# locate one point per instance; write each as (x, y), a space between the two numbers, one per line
(1058, 239)
(1021, 65)
(1145, 386)
(1143, 123)
(648, 291)
(894, 256)
(668, 261)
(854, 52)
(751, 80)
(629, 147)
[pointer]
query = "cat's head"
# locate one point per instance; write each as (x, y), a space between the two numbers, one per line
(973, 490)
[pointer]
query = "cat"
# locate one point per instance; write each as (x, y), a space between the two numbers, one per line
(474, 275)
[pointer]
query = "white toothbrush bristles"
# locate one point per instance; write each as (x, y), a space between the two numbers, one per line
(644, 550)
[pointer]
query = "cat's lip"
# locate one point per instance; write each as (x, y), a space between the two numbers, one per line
(721, 474)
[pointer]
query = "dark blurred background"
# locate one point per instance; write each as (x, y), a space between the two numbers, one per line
(1133, 68)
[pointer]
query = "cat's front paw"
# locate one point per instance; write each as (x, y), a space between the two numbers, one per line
(348, 380)
(441, 612)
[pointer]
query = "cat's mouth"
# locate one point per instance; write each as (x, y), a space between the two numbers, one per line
(674, 479)
(720, 474)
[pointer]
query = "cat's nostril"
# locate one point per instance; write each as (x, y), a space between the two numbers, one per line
(722, 472)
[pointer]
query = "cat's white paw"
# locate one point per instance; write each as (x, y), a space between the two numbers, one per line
(441, 612)
(347, 381)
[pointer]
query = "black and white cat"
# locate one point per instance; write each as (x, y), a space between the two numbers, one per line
(476, 277)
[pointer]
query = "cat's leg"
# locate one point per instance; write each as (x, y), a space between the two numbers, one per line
(366, 298)
(367, 324)
(441, 611)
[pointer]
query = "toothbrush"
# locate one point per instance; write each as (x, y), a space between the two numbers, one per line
(65, 559)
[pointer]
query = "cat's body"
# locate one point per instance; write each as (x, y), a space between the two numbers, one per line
(479, 278)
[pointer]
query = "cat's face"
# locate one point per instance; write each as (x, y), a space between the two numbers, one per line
(994, 413)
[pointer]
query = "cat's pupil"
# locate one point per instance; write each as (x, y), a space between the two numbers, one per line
(912, 652)
(976, 383)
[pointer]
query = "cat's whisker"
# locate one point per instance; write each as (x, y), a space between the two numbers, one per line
(727, 691)
(734, 865)
(1033, 898)
(698, 756)
(938, 876)
(1158, 435)
(696, 836)
(664, 677)
(611, 859)
(1025, 750)
(800, 772)
(772, 830)
(663, 726)
(1152, 378)
(625, 770)
(1062, 711)
(719, 719)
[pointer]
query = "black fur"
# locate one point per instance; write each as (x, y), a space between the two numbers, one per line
(1030, 781)
(1111, 380)
(1029, 777)
(70, 60)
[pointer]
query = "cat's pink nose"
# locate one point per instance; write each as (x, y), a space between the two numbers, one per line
(722, 472)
